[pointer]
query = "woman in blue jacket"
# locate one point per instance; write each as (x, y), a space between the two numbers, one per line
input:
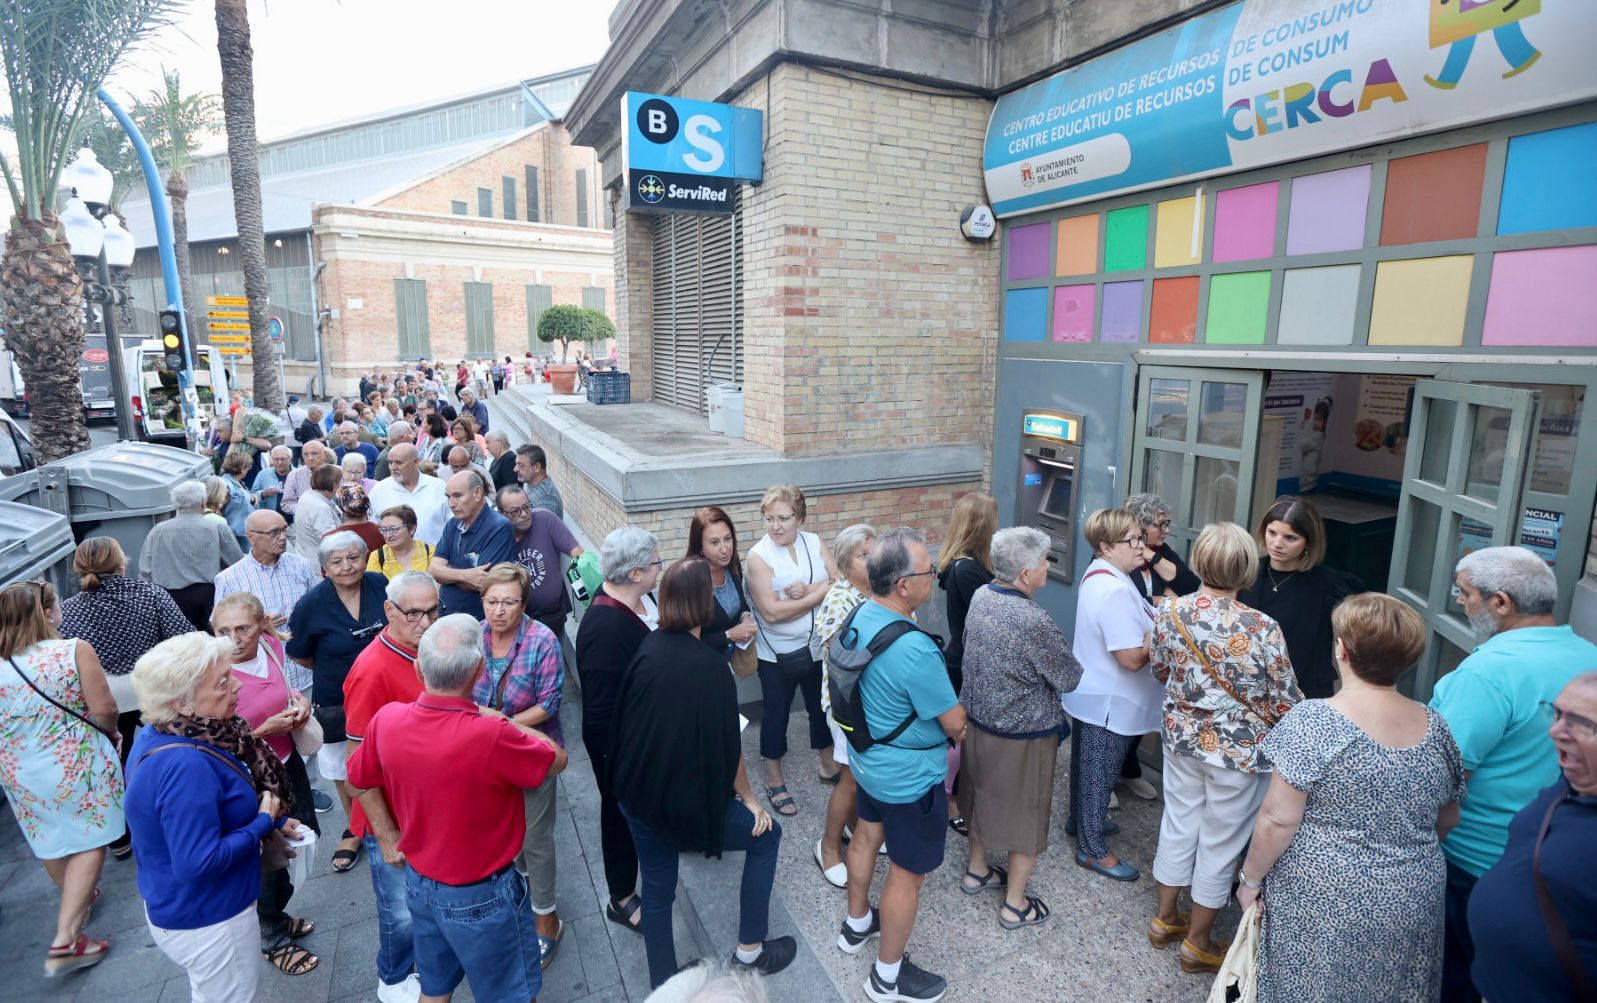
(202, 794)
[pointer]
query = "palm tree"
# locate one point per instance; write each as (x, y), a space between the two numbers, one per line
(175, 124)
(56, 53)
(238, 108)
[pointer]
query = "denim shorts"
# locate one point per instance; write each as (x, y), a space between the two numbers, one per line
(483, 932)
(916, 832)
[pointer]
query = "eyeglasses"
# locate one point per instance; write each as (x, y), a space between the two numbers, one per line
(780, 520)
(1575, 722)
(417, 615)
(279, 532)
(1161, 525)
(501, 603)
(390, 530)
(1134, 541)
(917, 574)
(517, 512)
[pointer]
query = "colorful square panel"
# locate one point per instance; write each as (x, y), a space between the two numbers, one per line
(1434, 196)
(1178, 233)
(1121, 323)
(1239, 309)
(1126, 239)
(1546, 296)
(1173, 319)
(1073, 307)
(1026, 315)
(1244, 222)
(1318, 306)
(1028, 251)
(1077, 250)
(1420, 301)
(1547, 181)
(1328, 210)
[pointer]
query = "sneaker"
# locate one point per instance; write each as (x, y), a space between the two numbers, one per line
(914, 985)
(1114, 802)
(407, 991)
(775, 955)
(1142, 788)
(321, 800)
(850, 942)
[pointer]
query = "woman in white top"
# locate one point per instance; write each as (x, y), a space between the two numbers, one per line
(789, 573)
(317, 515)
(1118, 699)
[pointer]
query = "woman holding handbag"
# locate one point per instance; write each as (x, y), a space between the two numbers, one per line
(283, 718)
(60, 770)
(712, 537)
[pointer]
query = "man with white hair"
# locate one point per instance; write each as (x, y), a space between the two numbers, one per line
(459, 830)
(184, 553)
(298, 482)
(503, 467)
(398, 432)
(407, 485)
(268, 485)
(1493, 705)
(469, 404)
(349, 442)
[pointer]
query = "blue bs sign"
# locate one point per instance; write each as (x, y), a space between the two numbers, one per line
(687, 156)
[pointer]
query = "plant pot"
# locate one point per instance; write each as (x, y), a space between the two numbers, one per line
(563, 378)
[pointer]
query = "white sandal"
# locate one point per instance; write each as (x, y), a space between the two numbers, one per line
(836, 875)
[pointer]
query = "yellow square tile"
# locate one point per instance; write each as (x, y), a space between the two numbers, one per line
(1178, 233)
(1421, 301)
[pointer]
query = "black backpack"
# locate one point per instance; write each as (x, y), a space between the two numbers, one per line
(846, 664)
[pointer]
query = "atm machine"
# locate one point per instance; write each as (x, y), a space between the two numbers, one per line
(1047, 499)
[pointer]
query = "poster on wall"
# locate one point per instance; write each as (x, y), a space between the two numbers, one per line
(1303, 402)
(1269, 81)
(1539, 531)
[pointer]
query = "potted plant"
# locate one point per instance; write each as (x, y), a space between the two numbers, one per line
(564, 324)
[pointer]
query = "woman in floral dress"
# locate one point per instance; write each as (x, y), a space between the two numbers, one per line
(57, 765)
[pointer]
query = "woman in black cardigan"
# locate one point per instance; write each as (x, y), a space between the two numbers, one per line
(679, 775)
(712, 537)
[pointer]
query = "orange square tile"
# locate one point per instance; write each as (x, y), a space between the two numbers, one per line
(1173, 316)
(1077, 250)
(1433, 196)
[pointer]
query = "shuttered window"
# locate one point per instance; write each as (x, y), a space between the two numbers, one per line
(582, 196)
(457, 207)
(485, 201)
(698, 306)
(532, 194)
(480, 318)
(410, 317)
(539, 299)
(593, 297)
(508, 184)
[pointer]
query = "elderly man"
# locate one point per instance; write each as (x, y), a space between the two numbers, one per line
(386, 673)
(469, 404)
(458, 460)
(349, 442)
(503, 467)
(533, 473)
(398, 432)
(340, 405)
(459, 830)
(474, 539)
(540, 540)
(298, 482)
(407, 485)
(268, 572)
(900, 794)
(1493, 705)
(268, 484)
(184, 553)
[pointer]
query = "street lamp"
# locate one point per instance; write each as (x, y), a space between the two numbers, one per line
(98, 240)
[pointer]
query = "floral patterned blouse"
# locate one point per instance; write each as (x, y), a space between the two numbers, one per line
(1246, 648)
(840, 601)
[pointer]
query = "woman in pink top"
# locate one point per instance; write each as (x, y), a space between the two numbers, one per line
(273, 709)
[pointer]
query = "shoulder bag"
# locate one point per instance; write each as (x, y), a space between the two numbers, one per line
(56, 703)
(308, 736)
(275, 849)
(1238, 978)
(1557, 929)
(1268, 717)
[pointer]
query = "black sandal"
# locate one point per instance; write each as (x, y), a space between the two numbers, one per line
(1035, 912)
(959, 825)
(620, 913)
(291, 959)
(298, 928)
(996, 877)
(343, 857)
(780, 799)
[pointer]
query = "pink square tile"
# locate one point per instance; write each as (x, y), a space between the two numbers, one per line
(1244, 222)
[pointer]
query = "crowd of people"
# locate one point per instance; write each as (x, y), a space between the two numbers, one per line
(389, 627)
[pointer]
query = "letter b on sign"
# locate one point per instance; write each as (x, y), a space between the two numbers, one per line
(657, 121)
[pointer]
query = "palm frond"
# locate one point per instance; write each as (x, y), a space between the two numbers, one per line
(177, 124)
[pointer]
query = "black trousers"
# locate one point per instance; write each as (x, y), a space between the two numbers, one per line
(196, 601)
(1131, 767)
(615, 836)
(777, 682)
(272, 907)
(1458, 947)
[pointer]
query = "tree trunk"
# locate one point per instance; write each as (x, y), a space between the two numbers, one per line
(238, 110)
(44, 330)
(177, 190)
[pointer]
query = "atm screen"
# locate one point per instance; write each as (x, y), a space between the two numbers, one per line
(1057, 502)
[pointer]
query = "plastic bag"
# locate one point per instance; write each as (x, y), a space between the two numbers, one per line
(1238, 978)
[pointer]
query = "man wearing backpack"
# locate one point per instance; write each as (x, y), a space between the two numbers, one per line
(904, 697)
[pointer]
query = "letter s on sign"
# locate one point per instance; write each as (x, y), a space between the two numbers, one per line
(714, 154)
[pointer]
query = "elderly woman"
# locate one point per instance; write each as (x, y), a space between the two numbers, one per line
(789, 575)
(1227, 682)
(354, 510)
(1017, 665)
(332, 623)
(317, 515)
(680, 775)
(354, 467)
(849, 549)
(522, 680)
(1118, 699)
(619, 618)
(273, 710)
(235, 473)
(1517, 951)
(183, 554)
(1347, 847)
(400, 550)
(59, 769)
(712, 537)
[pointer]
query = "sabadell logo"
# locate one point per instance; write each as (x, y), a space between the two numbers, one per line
(651, 189)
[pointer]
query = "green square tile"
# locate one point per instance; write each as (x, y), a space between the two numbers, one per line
(1126, 240)
(1239, 306)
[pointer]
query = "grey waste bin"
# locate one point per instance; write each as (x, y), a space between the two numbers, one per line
(23, 487)
(118, 490)
(36, 545)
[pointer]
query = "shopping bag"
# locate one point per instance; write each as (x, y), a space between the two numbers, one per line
(299, 865)
(1238, 978)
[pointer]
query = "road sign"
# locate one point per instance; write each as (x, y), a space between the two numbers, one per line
(227, 301)
(227, 313)
(230, 339)
(233, 349)
(274, 330)
(227, 325)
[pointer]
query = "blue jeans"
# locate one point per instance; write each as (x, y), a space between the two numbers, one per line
(658, 860)
(396, 951)
(483, 932)
(1511, 42)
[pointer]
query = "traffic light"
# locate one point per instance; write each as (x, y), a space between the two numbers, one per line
(172, 341)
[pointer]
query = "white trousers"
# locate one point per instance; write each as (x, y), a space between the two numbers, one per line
(223, 960)
(1208, 817)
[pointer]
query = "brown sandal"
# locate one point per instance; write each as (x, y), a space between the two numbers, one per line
(1161, 934)
(1196, 962)
(291, 959)
(298, 928)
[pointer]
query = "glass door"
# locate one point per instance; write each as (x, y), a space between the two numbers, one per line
(1196, 444)
(1463, 481)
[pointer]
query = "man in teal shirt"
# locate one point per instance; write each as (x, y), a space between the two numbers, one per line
(1494, 705)
(901, 798)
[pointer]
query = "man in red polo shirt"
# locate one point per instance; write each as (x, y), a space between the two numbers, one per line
(382, 674)
(460, 830)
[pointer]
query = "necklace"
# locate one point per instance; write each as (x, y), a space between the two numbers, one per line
(1275, 586)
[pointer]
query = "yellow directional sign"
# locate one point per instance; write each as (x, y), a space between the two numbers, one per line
(227, 313)
(233, 350)
(226, 325)
(227, 301)
(230, 339)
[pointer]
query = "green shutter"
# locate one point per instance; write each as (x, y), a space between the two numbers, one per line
(532, 194)
(410, 318)
(593, 297)
(539, 299)
(479, 318)
(582, 196)
(485, 202)
(509, 185)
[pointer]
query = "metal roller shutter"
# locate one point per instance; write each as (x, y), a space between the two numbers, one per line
(698, 306)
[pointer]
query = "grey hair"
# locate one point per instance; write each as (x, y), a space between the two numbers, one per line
(1517, 573)
(625, 550)
(890, 559)
(847, 539)
(188, 496)
(332, 543)
(710, 984)
(353, 457)
(1016, 549)
(450, 653)
(399, 428)
(1146, 508)
(171, 670)
(405, 581)
(283, 449)
(346, 423)
(496, 436)
(316, 410)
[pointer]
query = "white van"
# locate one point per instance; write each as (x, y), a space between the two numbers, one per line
(157, 408)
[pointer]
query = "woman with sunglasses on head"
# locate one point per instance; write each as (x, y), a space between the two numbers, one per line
(60, 769)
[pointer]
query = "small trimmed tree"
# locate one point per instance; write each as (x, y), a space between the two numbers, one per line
(564, 324)
(597, 328)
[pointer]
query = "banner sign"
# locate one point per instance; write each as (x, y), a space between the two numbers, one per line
(1270, 81)
(687, 156)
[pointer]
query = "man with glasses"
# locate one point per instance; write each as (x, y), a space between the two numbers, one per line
(407, 485)
(473, 540)
(1492, 703)
(268, 571)
(540, 540)
(386, 673)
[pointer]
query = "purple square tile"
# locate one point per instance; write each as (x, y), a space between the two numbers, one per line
(1122, 313)
(1028, 250)
(1328, 211)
